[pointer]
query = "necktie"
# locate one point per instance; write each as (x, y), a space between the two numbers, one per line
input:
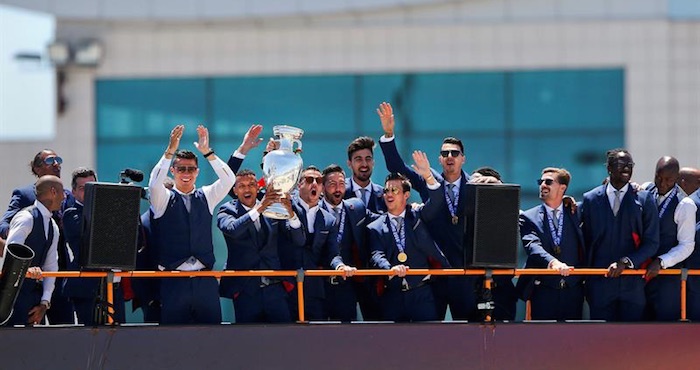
(660, 199)
(616, 203)
(336, 211)
(187, 200)
(257, 224)
(364, 196)
(555, 219)
(399, 224)
(451, 192)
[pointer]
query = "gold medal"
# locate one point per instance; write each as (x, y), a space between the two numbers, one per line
(403, 257)
(455, 219)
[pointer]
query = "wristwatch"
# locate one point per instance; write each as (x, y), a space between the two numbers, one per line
(45, 303)
(627, 262)
(661, 263)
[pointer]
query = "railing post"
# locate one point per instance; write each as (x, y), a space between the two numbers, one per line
(110, 298)
(684, 279)
(300, 293)
(487, 304)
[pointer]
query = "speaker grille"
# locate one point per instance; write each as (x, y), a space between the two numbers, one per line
(110, 226)
(496, 225)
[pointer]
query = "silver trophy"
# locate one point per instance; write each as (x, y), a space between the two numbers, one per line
(282, 167)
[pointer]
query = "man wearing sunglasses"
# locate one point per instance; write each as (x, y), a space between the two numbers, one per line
(45, 162)
(448, 225)
(621, 231)
(320, 250)
(360, 185)
(400, 240)
(552, 238)
(676, 241)
(351, 219)
(182, 229)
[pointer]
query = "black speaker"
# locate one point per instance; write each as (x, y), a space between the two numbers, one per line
(110, 226)
(491, 233)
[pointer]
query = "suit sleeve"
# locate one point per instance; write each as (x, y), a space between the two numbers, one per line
(538, 257)
(72, 231)
(332, 248)
(650, 233)
(436, 201)
(235, 163)
(229, 224)
(12, 210)
(378, 252)
(394, 163)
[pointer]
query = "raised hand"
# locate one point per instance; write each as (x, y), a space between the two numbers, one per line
(175, 136)
(271, 196)
(272, 145)
(421, 164)
(202, 143)
(251, 139)
(386, 115)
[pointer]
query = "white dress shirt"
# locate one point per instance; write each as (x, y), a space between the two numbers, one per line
(20, 227)
(684, 217)
(310, 214)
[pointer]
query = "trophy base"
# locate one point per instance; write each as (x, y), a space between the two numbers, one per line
(277, 211)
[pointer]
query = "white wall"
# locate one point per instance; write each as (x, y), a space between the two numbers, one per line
(661, 59)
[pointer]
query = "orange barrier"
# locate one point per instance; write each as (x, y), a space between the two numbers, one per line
(300, 274)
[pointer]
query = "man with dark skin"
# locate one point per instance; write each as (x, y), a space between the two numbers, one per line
(676, 241)
(689, 180)
(33, 226)
(616, 240)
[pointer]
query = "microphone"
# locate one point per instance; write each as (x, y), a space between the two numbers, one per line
(134, 174)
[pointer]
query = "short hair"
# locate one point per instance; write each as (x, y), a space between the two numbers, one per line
(455, 141)
(37, 162)
(488, 171)
(332, 168)
(563, 176)
(362, 142)
(612, 154)
(311, 168)
(245, 172)
(81, 172)
(405, 183)
(185, 154)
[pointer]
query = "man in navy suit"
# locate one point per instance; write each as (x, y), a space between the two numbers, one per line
(45, 162)
(676, 242)
(621, 231)
(552, 238)
(689, 181)
(360, 185)
(447, 226)
(399, 240)
(252, 242)
(83, 292)
(351, 219)
(320, 250)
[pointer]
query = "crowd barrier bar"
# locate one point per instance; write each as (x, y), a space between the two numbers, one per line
(300, 274)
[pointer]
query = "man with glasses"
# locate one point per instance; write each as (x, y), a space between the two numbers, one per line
(676, 242)
(400, 240)
(621, 231)
(360, 185)
(183, 229)
(553, 240)
(447, 227)
(45, 162)
(320, 250)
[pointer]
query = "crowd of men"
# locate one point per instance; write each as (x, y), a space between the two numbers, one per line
(349, 222)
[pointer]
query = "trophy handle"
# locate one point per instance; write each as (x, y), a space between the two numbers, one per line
(298, 149)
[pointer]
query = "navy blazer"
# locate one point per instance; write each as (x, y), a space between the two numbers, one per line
(24, 197)
(375, 203)
(638, 219)
(385, 252)
(72, 229)
(695, 197)
(246, 250)
(539, 245)
(357, 217)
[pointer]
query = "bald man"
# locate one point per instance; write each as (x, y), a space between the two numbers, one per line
(34, 227)
(676, 241)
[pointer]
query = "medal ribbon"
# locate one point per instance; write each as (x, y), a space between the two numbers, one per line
(399, 238)
(556, 235)
(667, 201)
(341, 228)
(451, 206)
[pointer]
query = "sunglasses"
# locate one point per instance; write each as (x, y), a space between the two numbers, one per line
(546, 181)
(454, 153)
(53, 160)
(310, 180)
(188, 169)
(623, 164)
(393, 190)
